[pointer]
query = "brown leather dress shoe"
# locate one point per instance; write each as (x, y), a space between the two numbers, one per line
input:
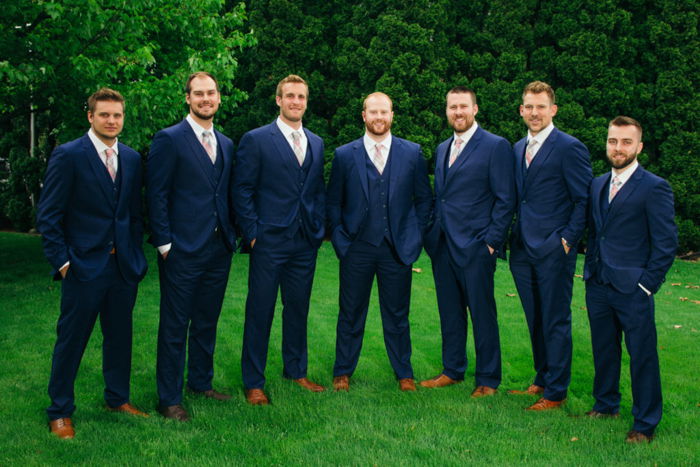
(256, 397)
(341, 383)
(532, 390)
(310, 385)
(174, 412)
(546, 404)
(128, 408)
(596, 414)
(62, 427)
(210, 394)
(635, 437)
(407, 384)
(440, 381)
(483, 391)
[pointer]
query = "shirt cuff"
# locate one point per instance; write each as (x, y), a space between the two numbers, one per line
(165, 248)
(644, 288)
(67, 263)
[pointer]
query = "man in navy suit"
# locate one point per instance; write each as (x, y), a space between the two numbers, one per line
(279, 200)
(90, 219)
(475, 198)
(632, 243)
(552, 173)
(378, 204)
(189, 171)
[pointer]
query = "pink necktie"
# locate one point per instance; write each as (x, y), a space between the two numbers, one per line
(206, 142)
(455, 151)
(296, 137)
(530, 153)
(379, 161)
(614, 187)
(109, 163)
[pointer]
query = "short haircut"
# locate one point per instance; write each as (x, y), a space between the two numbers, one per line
(462, 90)
(377, 94)
(291, 79)
(622, 120)
(537, 87)
(104, 94)
(199, 74)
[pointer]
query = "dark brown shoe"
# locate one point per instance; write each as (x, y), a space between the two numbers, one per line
(128, 408)
(407, 384)
(310, 385)
(341, 383)
(440, 381)
(532, 390)
(636, 437)
(256, 397)
(546, 404)
(174, 412)
(483, 391)
(596, 414)
(210, 394)
(62, 427)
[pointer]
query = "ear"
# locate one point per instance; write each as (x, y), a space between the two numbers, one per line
(476, 109)
(90, 116)
(554, 109)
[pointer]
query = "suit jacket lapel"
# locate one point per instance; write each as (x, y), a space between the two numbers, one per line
(220, 149)
(440, 165)
(126, 170)
(599, 190)
(287, 156)
(540, 158)
(199, 153)
(519, 150)
(99, 169)
(625, 192)
(395, 165)
(464, 155)
(360, 156)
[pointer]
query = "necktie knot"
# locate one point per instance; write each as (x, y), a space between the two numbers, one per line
(109, 163)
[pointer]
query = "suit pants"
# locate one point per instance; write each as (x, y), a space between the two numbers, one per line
(459, 288)
(112, 298)
(291, 272)
(358, 268)
(611, 313)
(545, 287)
(192, 287)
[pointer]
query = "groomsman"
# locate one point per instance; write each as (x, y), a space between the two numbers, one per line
(378, 203)
(474, 202)
(631, 246)
(90, 219)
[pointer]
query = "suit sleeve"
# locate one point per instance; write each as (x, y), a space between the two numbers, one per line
(334, 195)
(55, 194)
(423, 194)
(160, 169)
(245, 186)
(663, 236)
(502, 184)
(577, 176)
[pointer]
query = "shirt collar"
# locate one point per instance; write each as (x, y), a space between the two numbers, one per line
(626, 173)
(288, 130)
(197, 128)
(370, 143)
(467, 135)
(100, 146)
(542, 135)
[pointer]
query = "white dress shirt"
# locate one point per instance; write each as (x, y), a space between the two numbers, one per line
(287, 132)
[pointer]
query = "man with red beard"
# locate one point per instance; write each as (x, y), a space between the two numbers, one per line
(189, 172)
(378, 203)
(631, 245)
(475, 193)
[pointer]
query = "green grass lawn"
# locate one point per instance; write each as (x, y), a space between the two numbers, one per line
(372, 424)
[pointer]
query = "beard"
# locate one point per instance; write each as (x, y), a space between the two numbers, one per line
(198, 114)
(378, 127)
(461, 127)
(621, 163)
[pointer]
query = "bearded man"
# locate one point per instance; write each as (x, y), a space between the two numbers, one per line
(378, 203)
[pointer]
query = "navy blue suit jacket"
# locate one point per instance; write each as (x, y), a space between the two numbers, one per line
(635, 243)
(185, 202)
(78, 218)
(552, 193)
(269, 198)
(475, 198)
(410, 197)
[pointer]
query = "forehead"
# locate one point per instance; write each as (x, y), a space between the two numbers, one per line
(109, 107)
(378, 102)
(294, 88)
(459, 98)
(623, 132)
(536, 99)
(202, 83)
